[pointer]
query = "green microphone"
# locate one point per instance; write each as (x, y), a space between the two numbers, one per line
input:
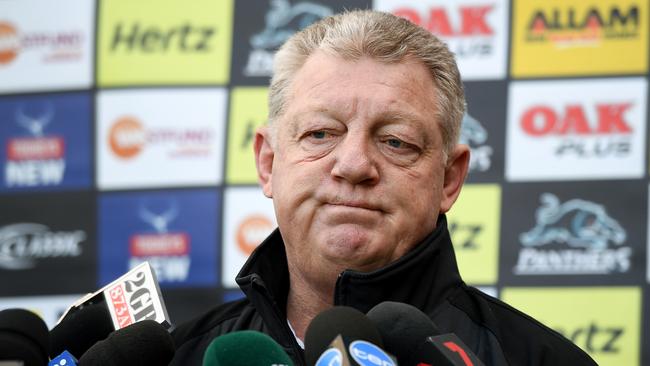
(245, 348)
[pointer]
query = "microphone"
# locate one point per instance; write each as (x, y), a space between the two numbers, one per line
(344, 336)
(143, 343)
(131, 298)
(64, 359)
(24, 338)
(415, 340)
(79, 330)
(245, 348)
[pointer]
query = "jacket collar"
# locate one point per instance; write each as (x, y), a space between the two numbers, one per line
(421, 278)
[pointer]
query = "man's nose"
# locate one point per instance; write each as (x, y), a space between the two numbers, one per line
(355, 160)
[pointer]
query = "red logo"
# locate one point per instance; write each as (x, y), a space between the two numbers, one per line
(168, 244)
(252, 231)
(572, 120)
(36, 148)
(9, 43)
(127, 137)
(473, 20)
(121, 308)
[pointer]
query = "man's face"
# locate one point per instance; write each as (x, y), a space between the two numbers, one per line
(355, 166)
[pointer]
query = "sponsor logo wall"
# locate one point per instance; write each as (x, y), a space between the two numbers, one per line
(126, 133)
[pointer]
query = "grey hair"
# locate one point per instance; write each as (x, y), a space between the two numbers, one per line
(384, 37)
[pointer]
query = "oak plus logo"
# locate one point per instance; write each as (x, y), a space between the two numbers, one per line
(475, 31)
(281, 21)
(39, 159)
(23, 245)
(573, 237)
(167, 251)
(587, 129)
(473, 134)
(128, 137)
(607, 134)
(587, 27)
(53, 46)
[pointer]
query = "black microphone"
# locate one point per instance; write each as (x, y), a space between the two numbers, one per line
(24, 338)
(79, 330)
(414, 339)
(142, 343)
(344, 336)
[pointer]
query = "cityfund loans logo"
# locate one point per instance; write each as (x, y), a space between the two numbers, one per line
(574, 237)
(52, 46)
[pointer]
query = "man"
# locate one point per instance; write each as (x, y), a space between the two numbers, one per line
(361, 159)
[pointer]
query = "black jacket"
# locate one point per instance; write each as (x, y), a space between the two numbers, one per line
(427, 277)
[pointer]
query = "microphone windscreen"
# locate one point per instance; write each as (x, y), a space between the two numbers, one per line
(403, 328)
(79, 330)
(23, 337)
(143, 343)
(245, 348)
(348, 322)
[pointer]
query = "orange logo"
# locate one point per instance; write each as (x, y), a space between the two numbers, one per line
(252, 231)
(9, 43)
(127, 137)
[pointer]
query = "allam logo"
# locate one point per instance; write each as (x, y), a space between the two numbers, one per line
(573, 237)
(566, 27)
(37, 160)
(281, 21)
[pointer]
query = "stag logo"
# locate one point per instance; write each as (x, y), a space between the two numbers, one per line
(281, 22)
(35, 122)
(167, 252)
(578, 223)
(585, 228)
(474, 135)
(159, 221)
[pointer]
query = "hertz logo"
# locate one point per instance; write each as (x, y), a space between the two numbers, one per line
(185, 38)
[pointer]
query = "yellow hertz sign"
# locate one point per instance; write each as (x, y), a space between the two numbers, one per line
(475, 233)
(605, 322)
(149, 42)
(574, 37)
(248, 110)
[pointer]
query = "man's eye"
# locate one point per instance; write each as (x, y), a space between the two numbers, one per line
(318, 134)
(395, 143)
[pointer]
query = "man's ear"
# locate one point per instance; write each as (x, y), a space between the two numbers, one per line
(455, 172)
(264, 155)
